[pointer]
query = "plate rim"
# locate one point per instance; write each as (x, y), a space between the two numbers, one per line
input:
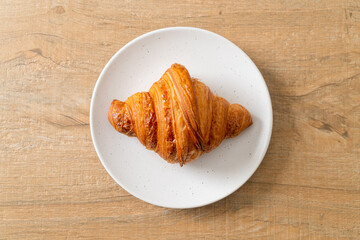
(109, 63)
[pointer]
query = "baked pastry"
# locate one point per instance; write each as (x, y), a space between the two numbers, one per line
(179, 118)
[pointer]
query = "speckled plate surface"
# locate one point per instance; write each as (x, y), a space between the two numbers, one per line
(221, 65)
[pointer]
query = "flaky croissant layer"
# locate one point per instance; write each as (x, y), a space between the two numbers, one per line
(179, 118)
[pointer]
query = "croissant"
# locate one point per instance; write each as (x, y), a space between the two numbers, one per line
(179, 118)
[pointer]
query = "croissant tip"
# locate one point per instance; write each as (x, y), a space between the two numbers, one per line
(110, 117)
(239, 119)
(115, 107)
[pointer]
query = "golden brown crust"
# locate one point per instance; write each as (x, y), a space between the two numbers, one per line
(179, 118)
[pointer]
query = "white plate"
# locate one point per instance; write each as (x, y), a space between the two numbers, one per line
(229, 73)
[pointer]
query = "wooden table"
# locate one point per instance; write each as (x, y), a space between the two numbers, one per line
(52, 184)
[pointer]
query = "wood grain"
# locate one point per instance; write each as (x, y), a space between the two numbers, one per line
(52, 185)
